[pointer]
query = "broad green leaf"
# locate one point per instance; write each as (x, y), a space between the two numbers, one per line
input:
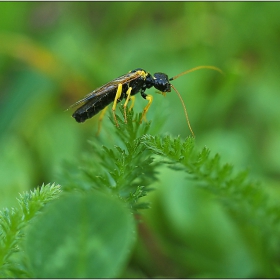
(80, 236)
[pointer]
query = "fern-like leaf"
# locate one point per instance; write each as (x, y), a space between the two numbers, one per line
(13, 221)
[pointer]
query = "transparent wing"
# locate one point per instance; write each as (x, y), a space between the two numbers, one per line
(112, 85)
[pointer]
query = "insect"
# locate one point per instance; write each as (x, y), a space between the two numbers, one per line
(125, 87)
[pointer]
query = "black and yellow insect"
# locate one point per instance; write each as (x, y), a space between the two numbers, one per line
(125, 87)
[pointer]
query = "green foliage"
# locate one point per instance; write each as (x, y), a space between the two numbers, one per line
(205, 218)
(245, 201)
(125, 171)
(14, 220)
(89, 231)
(89, 235)
(231, 189)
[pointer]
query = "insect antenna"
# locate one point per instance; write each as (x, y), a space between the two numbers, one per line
(185, 109)
(196, 68)
(186, 72)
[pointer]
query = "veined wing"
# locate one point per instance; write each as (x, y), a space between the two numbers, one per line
(112, 85)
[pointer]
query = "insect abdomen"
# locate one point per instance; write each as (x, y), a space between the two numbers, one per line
(93, 107)
(82, 114)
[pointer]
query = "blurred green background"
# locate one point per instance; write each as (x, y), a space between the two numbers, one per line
(54, 53)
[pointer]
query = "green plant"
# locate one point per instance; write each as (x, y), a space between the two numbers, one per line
(12, 225)
(88, 231)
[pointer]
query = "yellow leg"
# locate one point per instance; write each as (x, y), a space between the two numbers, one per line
(132, 98)
(126, 101)
(102, 114)
(150, 100)
(118, 95)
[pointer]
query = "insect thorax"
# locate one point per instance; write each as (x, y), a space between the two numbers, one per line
(140, 83)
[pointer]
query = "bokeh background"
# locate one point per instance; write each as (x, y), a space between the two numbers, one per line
(53, 53)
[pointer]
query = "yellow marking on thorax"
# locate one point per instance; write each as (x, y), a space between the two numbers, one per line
(142, 73)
